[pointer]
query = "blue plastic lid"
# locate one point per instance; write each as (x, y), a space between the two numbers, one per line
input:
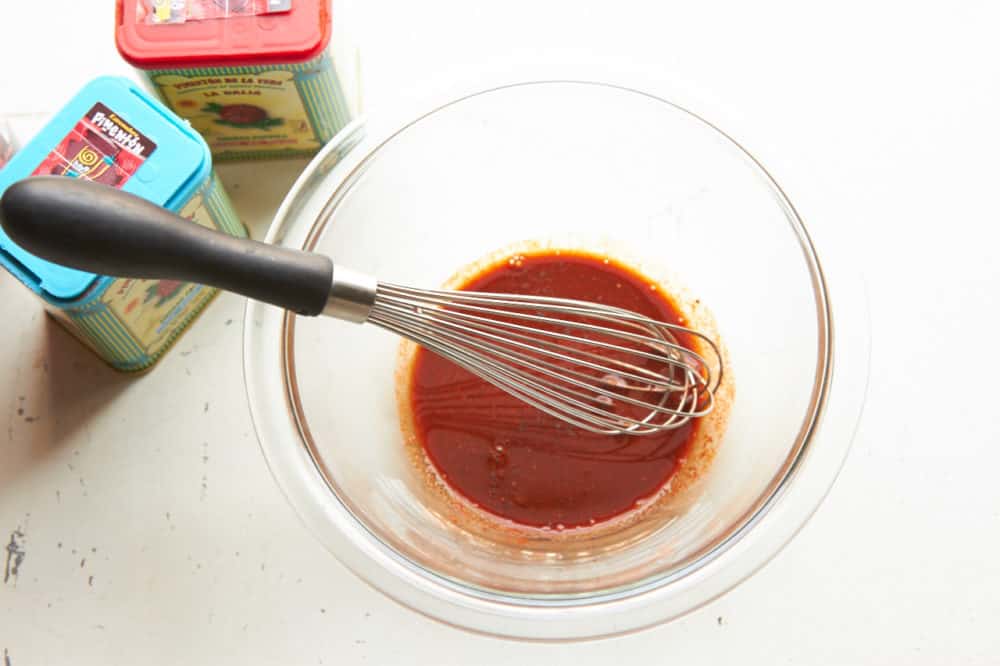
(118, 134)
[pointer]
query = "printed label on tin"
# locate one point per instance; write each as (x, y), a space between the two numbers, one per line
(102, 147)
(151, 310)
(165, 12)
(243, 112)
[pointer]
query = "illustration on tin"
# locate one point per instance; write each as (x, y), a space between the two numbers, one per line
(243, 116)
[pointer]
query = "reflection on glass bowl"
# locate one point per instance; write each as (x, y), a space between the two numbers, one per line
(601, 164)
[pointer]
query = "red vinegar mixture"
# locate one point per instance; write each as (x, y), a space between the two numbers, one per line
(519, 463)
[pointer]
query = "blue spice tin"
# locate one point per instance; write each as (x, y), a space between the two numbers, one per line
(113, 132)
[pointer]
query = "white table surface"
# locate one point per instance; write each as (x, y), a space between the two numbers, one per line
(152, 530)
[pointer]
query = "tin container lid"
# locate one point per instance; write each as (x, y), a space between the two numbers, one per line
(294, 36)
(153, 154)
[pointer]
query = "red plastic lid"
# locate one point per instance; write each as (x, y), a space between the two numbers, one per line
(289, 37)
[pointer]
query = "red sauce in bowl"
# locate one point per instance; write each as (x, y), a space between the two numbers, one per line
(517, 462)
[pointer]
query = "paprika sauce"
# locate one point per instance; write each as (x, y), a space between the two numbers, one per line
(518, 463)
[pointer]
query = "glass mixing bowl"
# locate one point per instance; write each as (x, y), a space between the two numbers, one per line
(412, 203)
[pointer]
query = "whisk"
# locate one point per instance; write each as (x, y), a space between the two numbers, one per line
(597, 367)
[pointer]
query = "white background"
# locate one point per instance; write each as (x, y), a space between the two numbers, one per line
(154, 533)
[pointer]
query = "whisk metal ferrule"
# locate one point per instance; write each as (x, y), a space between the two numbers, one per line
(352, 295)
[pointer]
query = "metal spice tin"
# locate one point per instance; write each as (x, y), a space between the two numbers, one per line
(7, 145)
(115, 133)
(255, 77)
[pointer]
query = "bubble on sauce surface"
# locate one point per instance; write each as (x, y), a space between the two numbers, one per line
(516, 262)
(614, 380)
(498, 461)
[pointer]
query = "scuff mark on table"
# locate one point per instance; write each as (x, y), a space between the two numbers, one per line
(15, 556)
(10, 416)
(204, 461)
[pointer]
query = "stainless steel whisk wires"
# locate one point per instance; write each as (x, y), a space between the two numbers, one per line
(578, 361)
